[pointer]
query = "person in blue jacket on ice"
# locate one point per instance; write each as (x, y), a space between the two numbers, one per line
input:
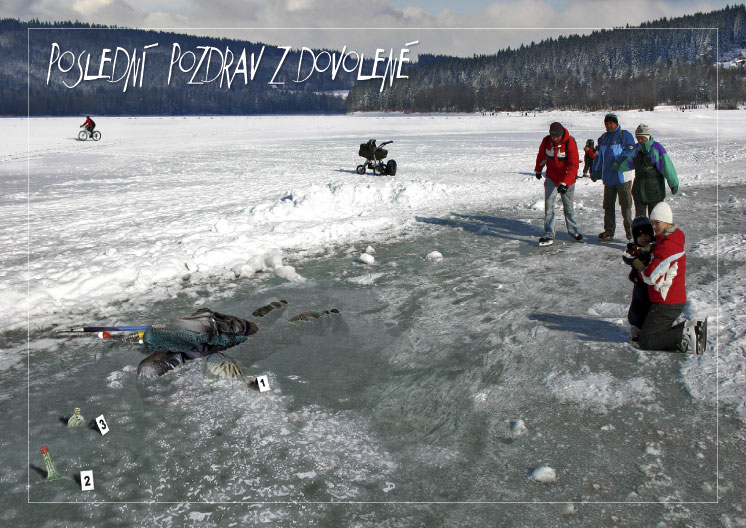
(614, 145)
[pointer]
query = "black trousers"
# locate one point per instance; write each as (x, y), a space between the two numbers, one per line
(658, 332)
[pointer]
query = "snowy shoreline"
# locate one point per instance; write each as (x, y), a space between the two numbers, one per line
(170, 206)
(203, 204)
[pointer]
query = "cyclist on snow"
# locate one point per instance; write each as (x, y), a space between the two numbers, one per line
(89, 125)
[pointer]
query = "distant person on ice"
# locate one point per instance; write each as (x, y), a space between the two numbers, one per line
(590, 155)
(653, 168)
(89, 125)
(558, 152)
(613, 145)
(665, 276)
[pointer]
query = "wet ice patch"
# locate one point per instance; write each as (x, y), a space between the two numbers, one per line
(599, 391)
(367, 279)
(727, 247)
(608, 310)
(221, 427)
(115, 380)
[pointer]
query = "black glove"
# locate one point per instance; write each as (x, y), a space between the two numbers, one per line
(635, 252)
(562, 188)
(538, 175)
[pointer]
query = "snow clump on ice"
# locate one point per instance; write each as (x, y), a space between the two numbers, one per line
(518, 427)
(544, 474)
(434, 256)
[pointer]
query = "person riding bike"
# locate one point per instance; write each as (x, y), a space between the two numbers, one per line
(89, 125)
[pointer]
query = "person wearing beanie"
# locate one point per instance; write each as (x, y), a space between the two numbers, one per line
(558, 152)
(653, 169)
(590, 155)
(643, 239)
(665, 277)
(614, 144)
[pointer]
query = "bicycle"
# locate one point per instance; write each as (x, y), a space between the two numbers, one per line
(84, 134)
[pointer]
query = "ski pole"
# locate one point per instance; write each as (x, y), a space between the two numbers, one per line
(95, 329)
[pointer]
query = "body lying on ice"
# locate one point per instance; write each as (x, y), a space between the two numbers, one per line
(205, 334)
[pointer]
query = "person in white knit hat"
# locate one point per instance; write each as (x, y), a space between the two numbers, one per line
(665, 276)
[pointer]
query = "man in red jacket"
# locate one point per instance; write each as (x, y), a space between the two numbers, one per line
(665, 277)
(89, 125)
(558, 152)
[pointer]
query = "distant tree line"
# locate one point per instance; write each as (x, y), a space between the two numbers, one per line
(23, 73)
(667, 61)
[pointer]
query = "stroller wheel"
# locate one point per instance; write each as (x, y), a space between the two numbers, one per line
(360, 169)
(379, 170)
(391, 168)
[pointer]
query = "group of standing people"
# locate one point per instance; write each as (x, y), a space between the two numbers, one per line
(655, 246)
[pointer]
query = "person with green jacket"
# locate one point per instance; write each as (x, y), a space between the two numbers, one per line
(653, 168)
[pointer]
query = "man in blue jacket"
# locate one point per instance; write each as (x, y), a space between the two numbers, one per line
(614, 144)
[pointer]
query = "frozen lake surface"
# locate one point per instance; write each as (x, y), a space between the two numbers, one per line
(492, 387)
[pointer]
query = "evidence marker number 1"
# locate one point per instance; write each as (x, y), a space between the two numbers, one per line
(101, 423)
(263, 383)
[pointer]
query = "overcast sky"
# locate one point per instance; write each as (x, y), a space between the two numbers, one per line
(440, 26)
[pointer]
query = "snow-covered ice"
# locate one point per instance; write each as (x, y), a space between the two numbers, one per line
(408, 397)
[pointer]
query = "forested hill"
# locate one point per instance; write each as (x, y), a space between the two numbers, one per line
(666, 61)
(27, 54)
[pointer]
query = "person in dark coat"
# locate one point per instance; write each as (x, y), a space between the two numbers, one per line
(643, 240)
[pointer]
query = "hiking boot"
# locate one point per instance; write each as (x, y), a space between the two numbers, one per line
(606, 236)
(546, 241)
(577, 236)
(700, 335)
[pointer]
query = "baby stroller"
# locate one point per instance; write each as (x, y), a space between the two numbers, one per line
(375, 156)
